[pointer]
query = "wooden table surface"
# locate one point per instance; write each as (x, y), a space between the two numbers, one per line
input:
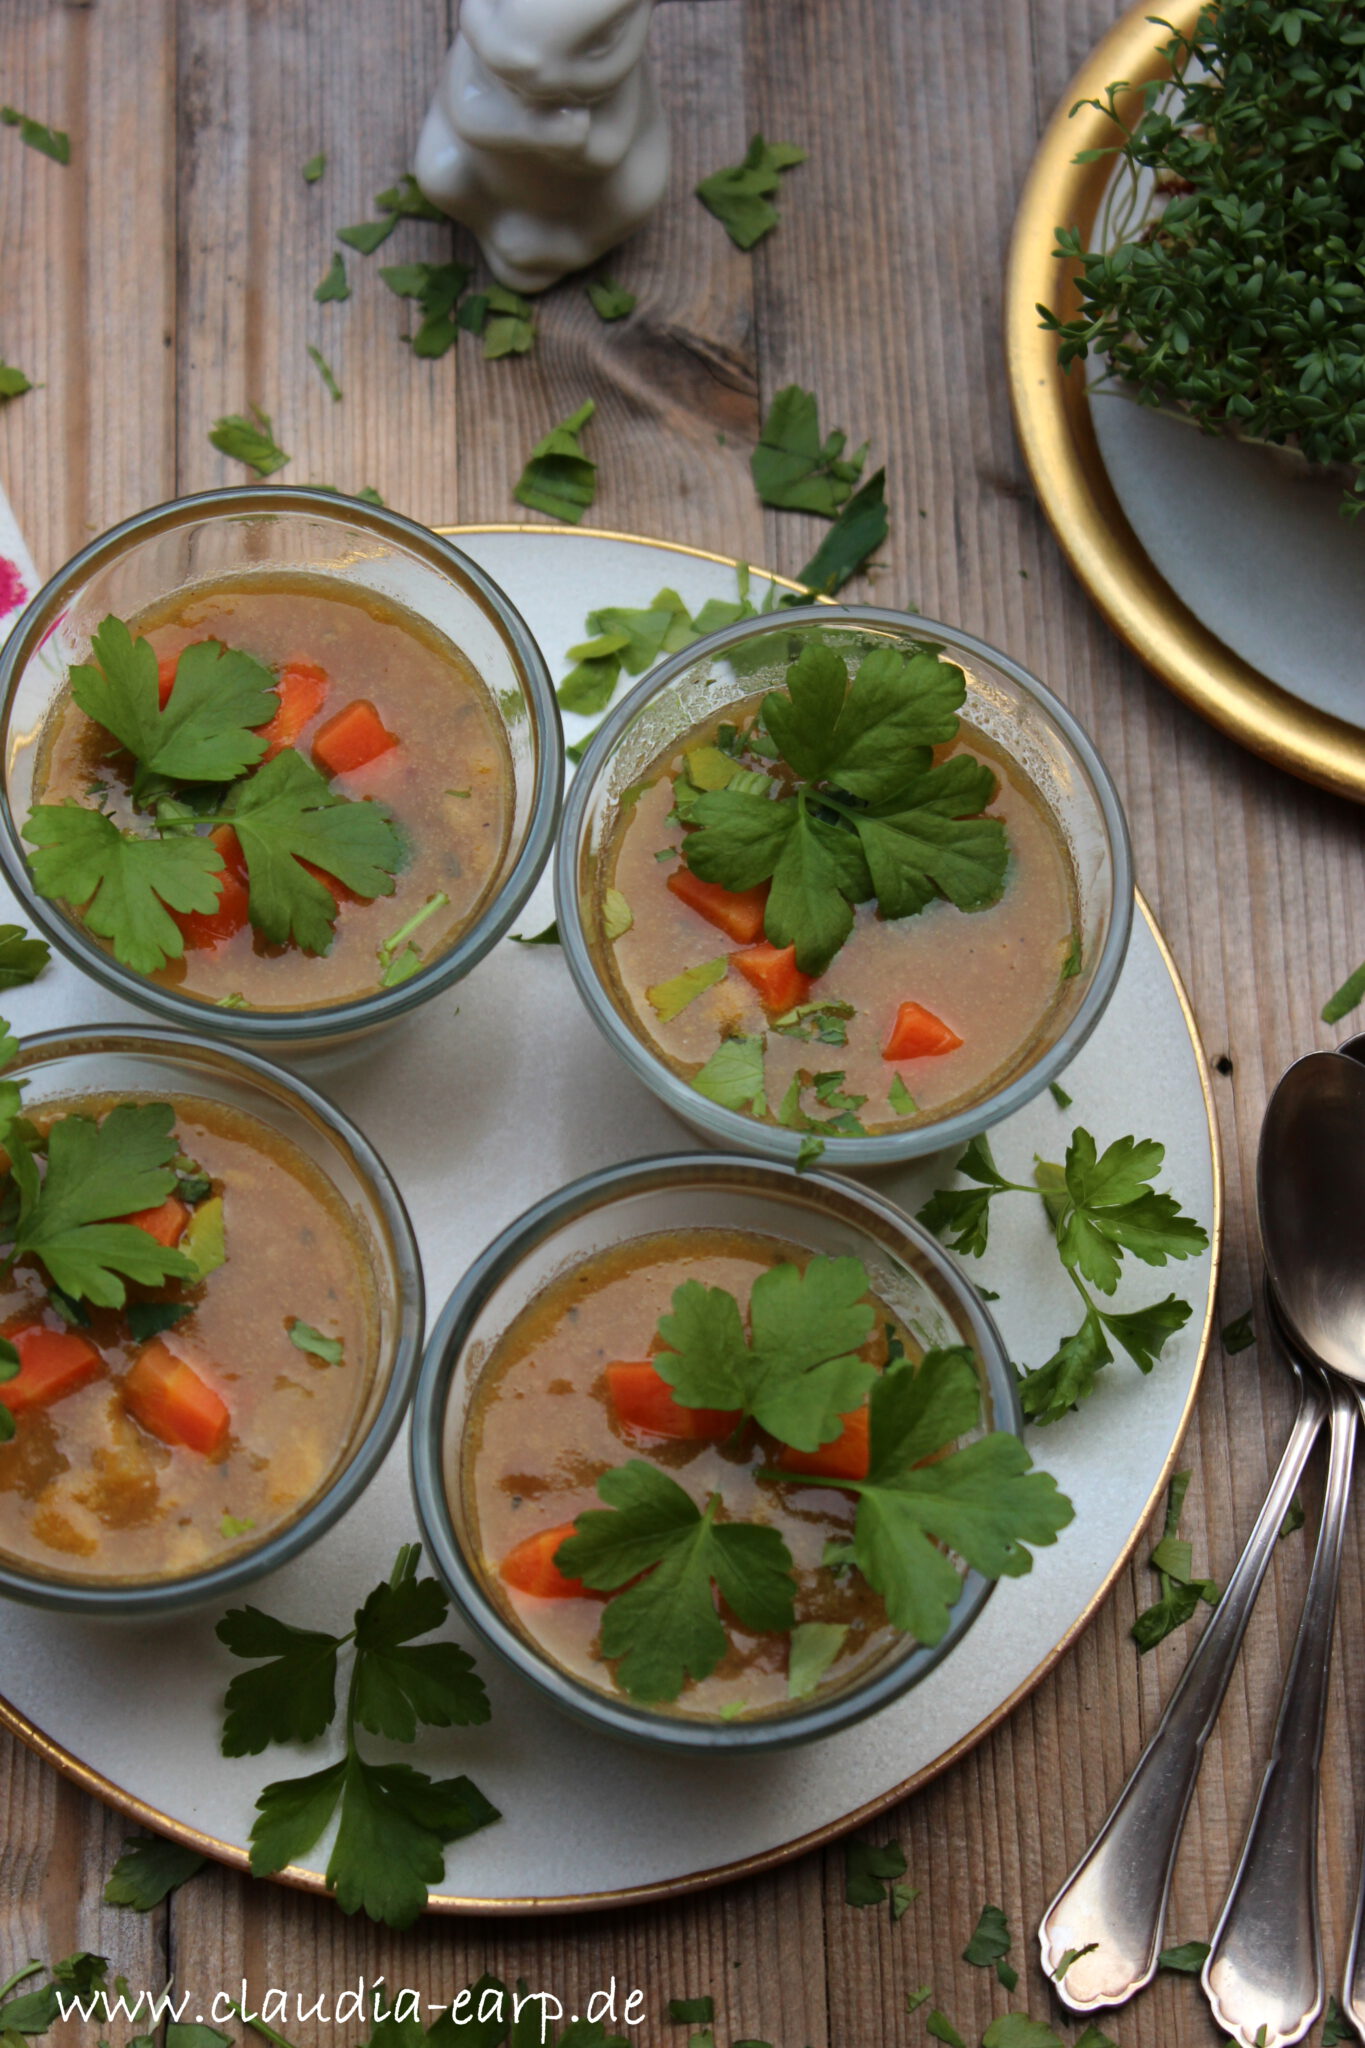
(166, 276)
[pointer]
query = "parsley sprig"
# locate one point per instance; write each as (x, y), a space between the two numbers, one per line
(1236, 296)
(981, 1500)
(665, 1629)
(866, 812)
(394, 1821)
(797, 1374)
(1100, 1207)
(205, 741)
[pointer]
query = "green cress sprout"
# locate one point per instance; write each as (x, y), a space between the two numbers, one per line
(1237, 298)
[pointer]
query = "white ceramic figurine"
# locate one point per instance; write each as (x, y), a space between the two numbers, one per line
(545, 135)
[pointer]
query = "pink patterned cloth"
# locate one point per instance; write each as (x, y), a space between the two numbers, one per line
(18, 577)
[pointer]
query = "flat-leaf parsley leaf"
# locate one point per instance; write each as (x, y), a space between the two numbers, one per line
(665, 1628)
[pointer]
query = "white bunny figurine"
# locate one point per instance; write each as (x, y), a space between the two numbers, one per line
(545, 135)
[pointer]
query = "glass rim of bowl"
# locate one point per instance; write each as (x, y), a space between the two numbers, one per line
(617, 1714)
(286, 1028)
(155, 1598)
(773, 1141)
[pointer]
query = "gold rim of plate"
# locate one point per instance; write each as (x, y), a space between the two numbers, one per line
(1053, 422)
(234, 1854)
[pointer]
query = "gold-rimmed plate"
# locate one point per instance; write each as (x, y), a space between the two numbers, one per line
(1055, 421)
(482, 1105)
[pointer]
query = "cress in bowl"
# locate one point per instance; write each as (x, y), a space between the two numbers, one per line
(211, 1305)
(277, 764)
(841, 880)
(721, 1456)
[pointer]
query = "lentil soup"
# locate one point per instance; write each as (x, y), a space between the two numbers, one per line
(388, 710)
(138, 1455)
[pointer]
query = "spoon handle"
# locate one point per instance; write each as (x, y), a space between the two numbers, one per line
(1353, 1983)
(1264, 1975)
(1116, 1896)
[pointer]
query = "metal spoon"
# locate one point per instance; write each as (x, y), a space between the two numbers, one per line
(1264, 1975)
(1353, 1982)
(1112, 1908)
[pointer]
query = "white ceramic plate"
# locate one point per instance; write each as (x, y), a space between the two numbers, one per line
(483, 1103)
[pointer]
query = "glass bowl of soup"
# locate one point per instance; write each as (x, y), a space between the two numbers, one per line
(843, 882)
(197, 1385)
(277, 764)
(550, 1405)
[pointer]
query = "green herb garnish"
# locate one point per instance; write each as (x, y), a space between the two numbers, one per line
(287, 813)
(796, 1373)
(126, 886)
(981, 1500)
(232, 1527)
(204, 733)
(314, 168)
(610, 300)
(13, 382)
(1093, 2037)
(617, 916)
(813, 1648)
(149, 1869)
(990, 1941)
(407, 201)
(399, 960)
(22, 2013)
(871, 815)
(394, 1820)
(670, 998)
(204, 1242)
(825, 1021)
(306, 1338)
(1335, 2029)
(95, 1172)
(793, 468)
(148, 1319)
(1187, 1958)
(1351, 993)
(504, 319)
(1070, 1956)
(868, 1867)
(1234, 296)
(366, 235)
(664, 1627)
(436, 287)
(1241, 1334)
(1099, 1208)
(698, 2011)
(900, 1098)
(733, 1076)
(559, 478)
(22, 959)
(549, 937)
(857, 533)
(740, 196)
(251, 441)
(53, 142)
(1017, 2030)
(325, 371)
(1181, 1592)
(941, 2028)
(334, 285)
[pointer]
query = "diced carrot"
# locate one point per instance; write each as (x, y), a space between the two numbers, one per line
(531, 1567)
(169, 1398)
(51, 1363)
(918, 1034)
(644, 1400)
(356, 734)
(165, 676)
(774, 973)
(737, 912)
(302, 688)
(845, 1458)
(202, 928)
(166, 1223)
